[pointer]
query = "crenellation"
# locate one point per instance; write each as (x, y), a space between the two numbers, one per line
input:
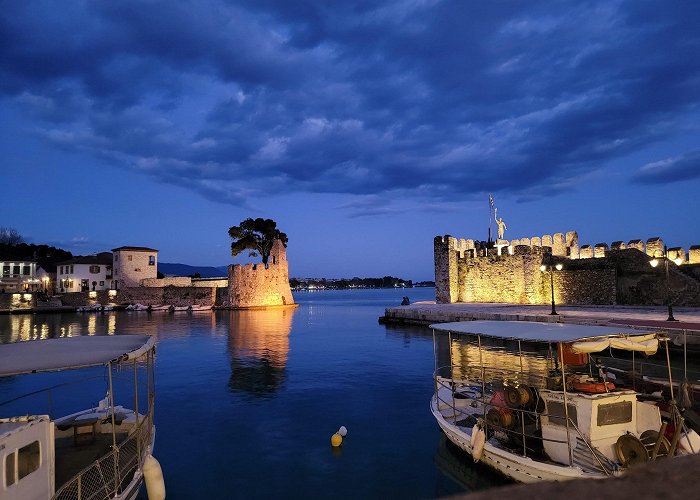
(536, 241)
(547, 240)
(559, 245)
(694, 254)
(677, 253)
(618, 245)
(586, 252)
(525, 241)
(636, 244)
(600, 250)
(655, 247)
(572, 244)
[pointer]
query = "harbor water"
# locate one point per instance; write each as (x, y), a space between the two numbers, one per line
(247, 401)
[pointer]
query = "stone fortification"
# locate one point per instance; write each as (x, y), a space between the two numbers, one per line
(257, 285)
(467, 271)
(186, 281)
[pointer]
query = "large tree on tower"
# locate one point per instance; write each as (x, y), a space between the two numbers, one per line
(257, 235)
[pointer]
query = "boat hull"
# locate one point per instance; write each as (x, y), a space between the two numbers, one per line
(516, 467)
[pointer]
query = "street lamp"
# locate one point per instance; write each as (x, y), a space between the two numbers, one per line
(550, 266)
(654, 263)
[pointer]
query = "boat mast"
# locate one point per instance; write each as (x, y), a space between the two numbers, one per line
(115, 450)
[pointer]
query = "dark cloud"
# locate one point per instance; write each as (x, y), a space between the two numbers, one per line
(402, 98)
(678, 169)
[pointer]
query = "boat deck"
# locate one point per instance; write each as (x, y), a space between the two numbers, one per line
(72, 457)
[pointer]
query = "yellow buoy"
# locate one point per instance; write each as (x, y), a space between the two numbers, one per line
(336, 440)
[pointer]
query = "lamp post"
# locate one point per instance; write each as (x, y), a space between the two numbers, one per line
(655, 262)
(550, 266)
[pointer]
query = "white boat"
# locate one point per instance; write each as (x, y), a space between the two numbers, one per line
(90, 308)
(162, 307)
(100, 452)
(500, 398)
(138, 307)
(200, 307)
(181, 308)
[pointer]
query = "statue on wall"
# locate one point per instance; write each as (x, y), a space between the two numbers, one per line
(501, 224)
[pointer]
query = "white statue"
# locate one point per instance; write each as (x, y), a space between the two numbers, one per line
(501, 225)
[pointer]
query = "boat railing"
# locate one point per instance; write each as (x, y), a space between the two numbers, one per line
(112, 473)
(478, 393)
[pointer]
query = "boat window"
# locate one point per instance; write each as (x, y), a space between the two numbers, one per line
(615, 413)
(10, 469)
(28, 459)
(557, 416)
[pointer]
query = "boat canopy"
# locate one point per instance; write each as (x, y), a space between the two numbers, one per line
(70, 353)
(583, 338)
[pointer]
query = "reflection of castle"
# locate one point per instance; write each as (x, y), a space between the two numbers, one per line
(259, 345)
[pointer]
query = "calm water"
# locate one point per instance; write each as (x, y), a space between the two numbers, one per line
(247, 401)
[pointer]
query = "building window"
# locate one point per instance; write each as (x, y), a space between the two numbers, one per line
(71, 269)
(129, 257)
(5, 270)
(26, 270)
(116, 256)
(94, 269)
(15, 270)
(102, 283)
(151, 260)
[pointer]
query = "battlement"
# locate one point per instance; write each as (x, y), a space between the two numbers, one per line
(466, 270)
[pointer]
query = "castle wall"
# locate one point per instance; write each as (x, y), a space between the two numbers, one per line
(620, 274)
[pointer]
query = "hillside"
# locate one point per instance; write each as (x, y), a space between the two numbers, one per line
(173, 269)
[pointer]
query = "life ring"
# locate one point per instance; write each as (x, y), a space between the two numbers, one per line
(478, 440)
(593, 387)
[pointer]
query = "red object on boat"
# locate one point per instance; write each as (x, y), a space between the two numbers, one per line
(570, 357)
(593, 387)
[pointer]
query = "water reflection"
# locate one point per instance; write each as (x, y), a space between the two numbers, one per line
(259, 345)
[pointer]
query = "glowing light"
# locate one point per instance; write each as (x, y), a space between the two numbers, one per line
(543, 268)
(92, 295)
(678, 261)
(112, 293)
(559, 267)
(654, 262)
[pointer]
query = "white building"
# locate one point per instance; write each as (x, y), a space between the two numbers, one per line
(18, 276)
(133, 264)
(82, 274)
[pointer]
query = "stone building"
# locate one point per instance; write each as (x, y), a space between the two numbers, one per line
(133, 264)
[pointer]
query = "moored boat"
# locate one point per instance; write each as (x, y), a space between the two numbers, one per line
(528, 400)
(98, 452)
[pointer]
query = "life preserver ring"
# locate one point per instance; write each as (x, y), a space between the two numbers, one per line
(593, 387)
(478, 440)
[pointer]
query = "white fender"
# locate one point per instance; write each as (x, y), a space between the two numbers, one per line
(153, 475)
(475, 430)
(478, 446)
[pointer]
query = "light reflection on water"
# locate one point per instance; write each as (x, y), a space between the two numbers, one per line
(247, 401)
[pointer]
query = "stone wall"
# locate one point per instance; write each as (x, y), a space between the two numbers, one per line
(619, 274)
(255, 285)
(167, 295)
(185, 281)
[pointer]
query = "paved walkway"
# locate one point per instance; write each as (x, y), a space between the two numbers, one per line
(425, 313)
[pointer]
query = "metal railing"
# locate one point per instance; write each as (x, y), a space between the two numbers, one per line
(486, 404)
(112, 473)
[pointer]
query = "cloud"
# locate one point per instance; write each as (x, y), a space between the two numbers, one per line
(237, 100)
(677, 169)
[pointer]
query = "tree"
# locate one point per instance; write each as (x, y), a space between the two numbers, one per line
(257, 235)
(10, 236)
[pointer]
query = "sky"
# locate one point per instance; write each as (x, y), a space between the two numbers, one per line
(364, 128)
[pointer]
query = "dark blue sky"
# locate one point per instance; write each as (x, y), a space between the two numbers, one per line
(364, 128)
